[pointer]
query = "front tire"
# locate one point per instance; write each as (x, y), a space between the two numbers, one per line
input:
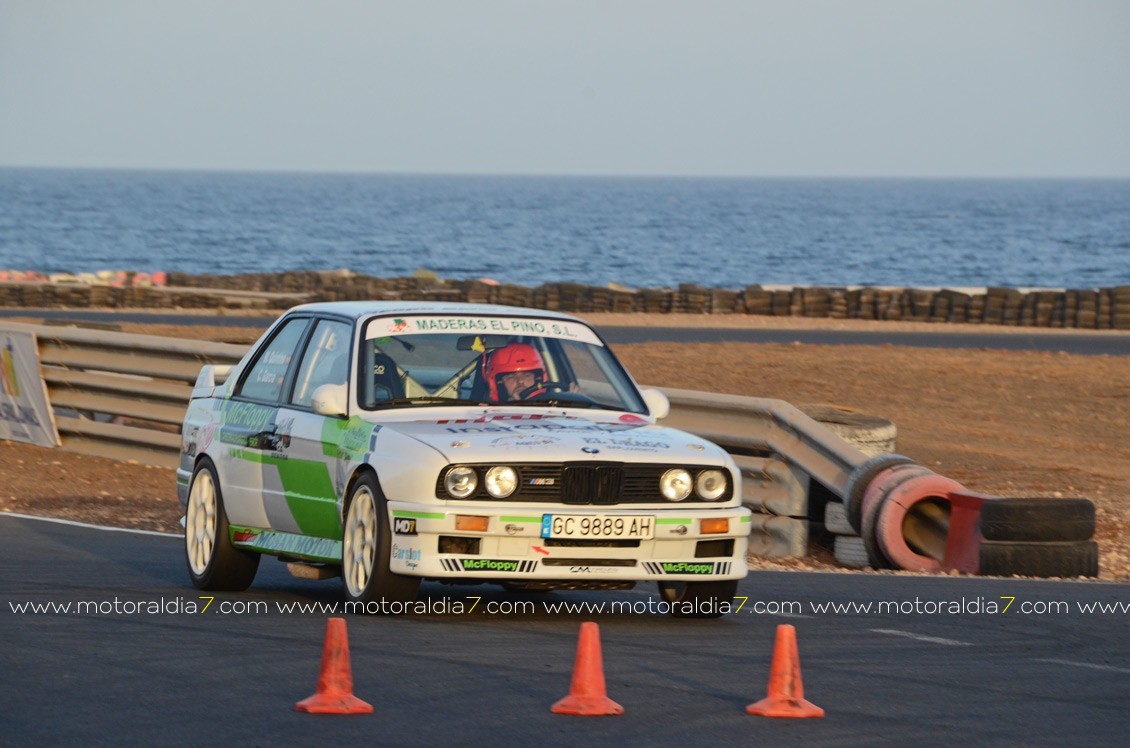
(366, 545)
(213, 562)
(699, 599)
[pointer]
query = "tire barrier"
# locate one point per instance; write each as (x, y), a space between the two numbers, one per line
(871, 434)
(835, 519)
(1090, 308)
(1038, 520)
(911, 526)
(850, 551)
(916, 520)
(877, 494)
(1053, 559)
(1095, 309)
(860, 478)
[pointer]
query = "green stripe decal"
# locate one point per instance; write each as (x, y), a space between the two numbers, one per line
(419, 515)
(747, 520)
(673, 521)
(310, 493)
(520, 519)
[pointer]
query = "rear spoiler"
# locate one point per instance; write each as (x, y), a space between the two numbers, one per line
(209, 378)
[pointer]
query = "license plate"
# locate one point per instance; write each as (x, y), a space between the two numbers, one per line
(597, 526)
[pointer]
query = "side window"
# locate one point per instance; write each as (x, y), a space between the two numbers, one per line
(326, 360)
(265, 378)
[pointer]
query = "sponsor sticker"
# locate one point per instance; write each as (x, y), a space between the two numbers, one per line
(404, 526)
(440, 324)
(322, 549)
(683, 567)
(410, 557)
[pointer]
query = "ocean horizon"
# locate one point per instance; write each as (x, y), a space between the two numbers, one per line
(653, 232)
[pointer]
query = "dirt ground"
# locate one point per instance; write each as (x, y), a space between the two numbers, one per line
(1008, 423)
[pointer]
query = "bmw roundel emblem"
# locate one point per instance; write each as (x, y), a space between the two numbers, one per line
(590, 450)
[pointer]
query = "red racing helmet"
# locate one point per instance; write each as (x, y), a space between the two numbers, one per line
(511, 358)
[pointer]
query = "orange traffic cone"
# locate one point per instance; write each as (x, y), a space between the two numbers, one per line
(786, 691)
(587, 696)
(335, 684)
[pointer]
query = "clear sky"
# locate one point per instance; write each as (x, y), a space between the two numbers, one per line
(994, 88)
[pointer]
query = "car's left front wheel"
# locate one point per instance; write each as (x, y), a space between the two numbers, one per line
(213, 562)
(366, 551)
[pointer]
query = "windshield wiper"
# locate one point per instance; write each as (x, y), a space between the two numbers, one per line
(566, 403)
(425, 400)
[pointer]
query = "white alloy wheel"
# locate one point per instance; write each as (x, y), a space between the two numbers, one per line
(200, 523)
(360, 541)
(213, 562)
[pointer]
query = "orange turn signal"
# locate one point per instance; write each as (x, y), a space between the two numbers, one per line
(714, 526)
(471, 523)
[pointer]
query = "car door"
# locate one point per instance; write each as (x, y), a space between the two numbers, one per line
(313, 474)
(247, 458)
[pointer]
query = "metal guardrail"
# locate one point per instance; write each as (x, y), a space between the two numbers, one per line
(123, 396)
(120, 395)
(115, 393)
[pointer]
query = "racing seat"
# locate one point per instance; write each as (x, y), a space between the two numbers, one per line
(387, 384)
(479, 390)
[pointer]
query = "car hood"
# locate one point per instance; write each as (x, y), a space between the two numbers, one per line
(537, 437)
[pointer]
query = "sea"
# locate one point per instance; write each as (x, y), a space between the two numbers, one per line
(634, 232)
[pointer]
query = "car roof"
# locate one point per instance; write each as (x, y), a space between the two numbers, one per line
(362, 309)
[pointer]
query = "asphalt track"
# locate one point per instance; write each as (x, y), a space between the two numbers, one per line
(470, 679)
(1074, 342)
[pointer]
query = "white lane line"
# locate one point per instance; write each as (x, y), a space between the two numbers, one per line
(1089, 665)
(921, 638)
(72, 523)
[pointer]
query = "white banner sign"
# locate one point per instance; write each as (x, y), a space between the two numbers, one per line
(25, 414)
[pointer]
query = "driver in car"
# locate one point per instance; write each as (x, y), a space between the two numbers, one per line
(514, 372)
(517, 372)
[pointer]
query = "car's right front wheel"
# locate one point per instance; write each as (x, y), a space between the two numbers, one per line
(699, 599)
(366, 551)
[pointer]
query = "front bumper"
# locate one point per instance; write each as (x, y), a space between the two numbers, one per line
(427, 543)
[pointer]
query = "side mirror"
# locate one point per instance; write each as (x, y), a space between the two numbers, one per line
(331, 400)
(658, 406)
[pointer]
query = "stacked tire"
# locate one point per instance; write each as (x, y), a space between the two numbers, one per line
(897, 514)
(854, 543)
(1039, 538)
(846, 544)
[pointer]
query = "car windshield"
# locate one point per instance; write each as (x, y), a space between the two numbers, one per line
(417, 360)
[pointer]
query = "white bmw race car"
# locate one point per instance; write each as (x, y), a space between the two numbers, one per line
(392, 442)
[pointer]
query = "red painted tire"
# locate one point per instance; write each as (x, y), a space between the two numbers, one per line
(861, 479)
(912, 524)
(872, 502)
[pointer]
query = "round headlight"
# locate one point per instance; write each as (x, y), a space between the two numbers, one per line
(675, 485)
(710, 484)
(501, 481)
(461, 482)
